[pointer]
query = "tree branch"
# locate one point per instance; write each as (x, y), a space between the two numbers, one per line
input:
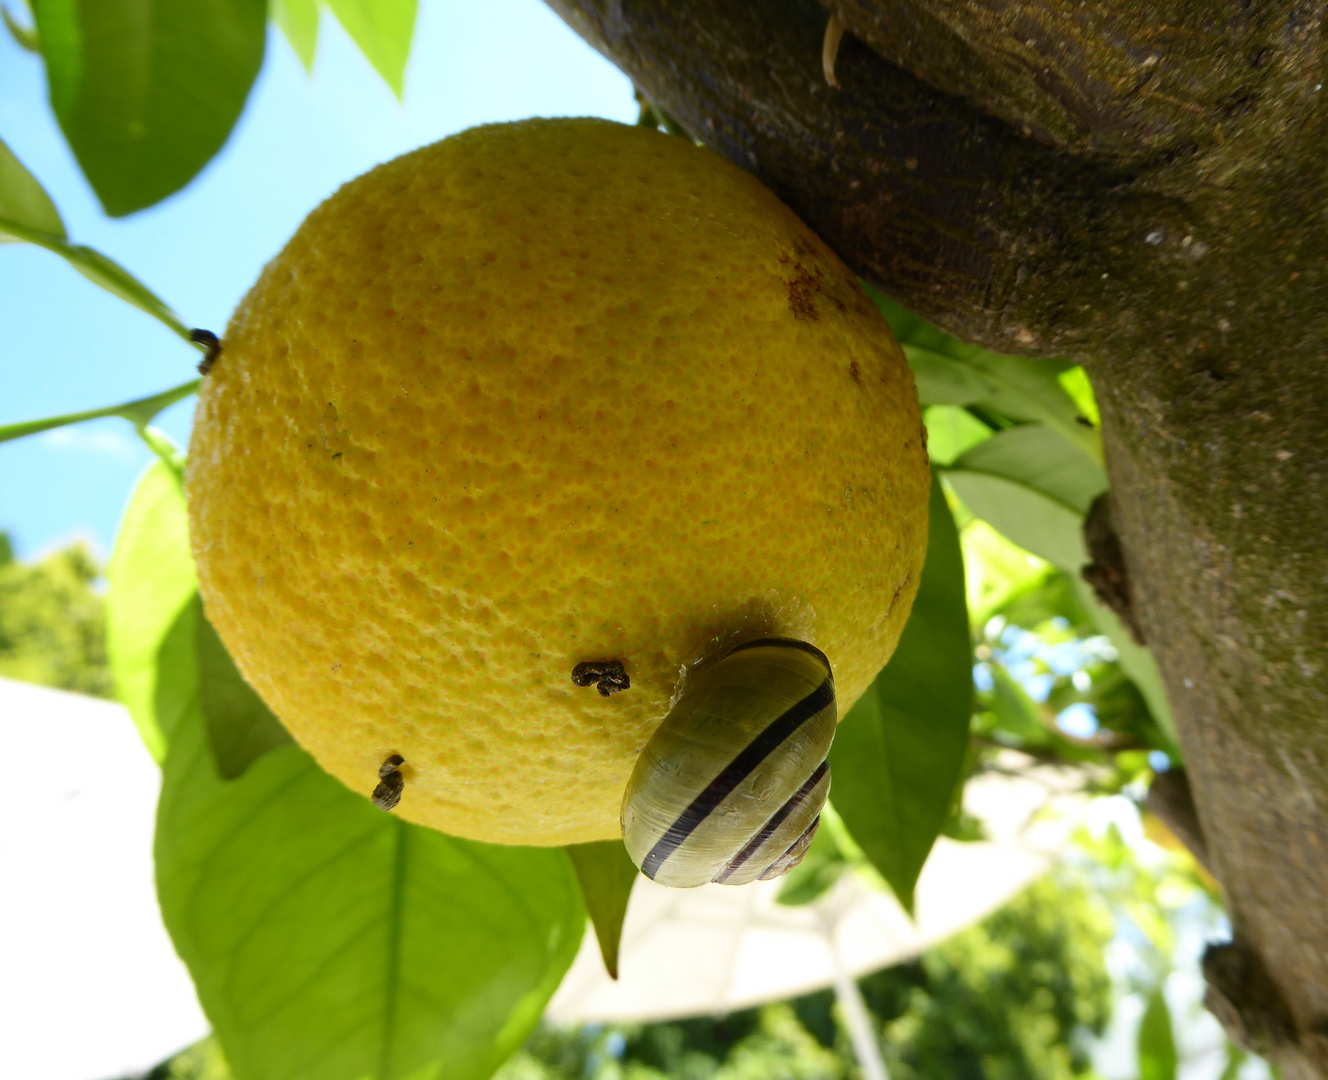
(1172, 237)
(1119, 80)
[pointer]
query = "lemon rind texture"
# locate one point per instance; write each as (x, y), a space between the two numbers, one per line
(537, 394)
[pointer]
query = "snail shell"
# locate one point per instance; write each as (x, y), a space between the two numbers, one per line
(730, 787)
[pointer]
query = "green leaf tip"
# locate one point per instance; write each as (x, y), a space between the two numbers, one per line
(606, 874)
(383, 30)
(298, 21)
(24, 204)
(1156, 1043)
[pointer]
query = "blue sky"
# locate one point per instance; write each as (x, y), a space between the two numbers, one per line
(65, 345)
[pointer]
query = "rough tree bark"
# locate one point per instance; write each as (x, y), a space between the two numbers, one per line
(1143, 188)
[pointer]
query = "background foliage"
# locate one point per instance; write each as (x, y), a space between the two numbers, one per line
(53, 622)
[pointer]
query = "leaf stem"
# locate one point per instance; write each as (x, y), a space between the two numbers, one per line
(138, 412)
(105, 272)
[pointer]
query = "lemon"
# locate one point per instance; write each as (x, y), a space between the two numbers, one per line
(538, 394)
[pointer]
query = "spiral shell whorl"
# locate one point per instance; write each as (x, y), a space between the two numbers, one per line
(730, 787)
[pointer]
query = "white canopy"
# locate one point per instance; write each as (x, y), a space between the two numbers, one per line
(92, 988)
(716, 948)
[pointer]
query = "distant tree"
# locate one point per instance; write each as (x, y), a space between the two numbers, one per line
(52, 620)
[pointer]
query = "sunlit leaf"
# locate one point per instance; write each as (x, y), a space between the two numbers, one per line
(298, 20)
(1157, 1046)
(1076, 384)
(996, 570)
(23, 201)
(150, 610)
(383, 30)
(147, 91)
(27, 215)
(1052, 596)
(951, 431)
(331, 941)
(899, 753)
(1038, 458)
(1024, 389)
(1037, 522)
(606, 873)
(1136, 660)
(1001, 572)
(240, 728)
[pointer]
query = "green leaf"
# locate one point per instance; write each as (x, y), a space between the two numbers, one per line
(1039, 458)
(1157, 1047)
(606, 874)
(1036, 522)
(899, 753)
(298, 20)
(331, 941)
(138, 412)
(1076, 384)
(952, 373)
(1001, 572)
(382, 29)
(147, 91)
(1016, 712)
(1030, 390)
(240, 728)
(951, 431)
(150, 609)
(1050, 596)
(997, 571)
(943, 380)
(1135, 660)
(908, 328)
(23, 201)
(118, 281)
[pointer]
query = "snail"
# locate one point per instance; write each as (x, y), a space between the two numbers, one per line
(730, 787)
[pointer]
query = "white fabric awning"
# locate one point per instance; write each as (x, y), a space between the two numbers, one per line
(711, 950)
(91, 987)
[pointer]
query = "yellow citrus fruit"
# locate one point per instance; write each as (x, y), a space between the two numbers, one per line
(543, 393)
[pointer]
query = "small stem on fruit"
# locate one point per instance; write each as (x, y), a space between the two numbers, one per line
(211, 348)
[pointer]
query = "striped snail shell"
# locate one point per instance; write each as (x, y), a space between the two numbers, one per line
(730, 787)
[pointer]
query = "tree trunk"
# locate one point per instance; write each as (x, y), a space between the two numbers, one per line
(1143, 188)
